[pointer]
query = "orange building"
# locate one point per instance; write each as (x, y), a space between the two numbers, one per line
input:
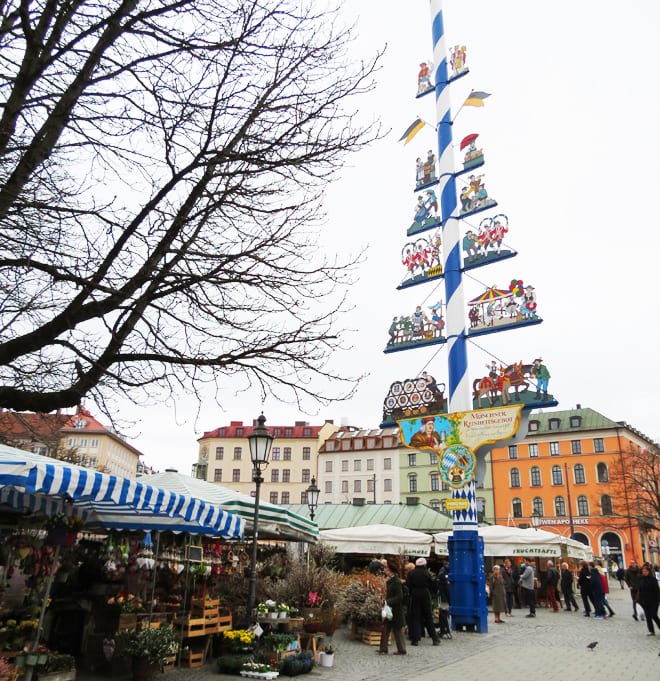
(567, 472)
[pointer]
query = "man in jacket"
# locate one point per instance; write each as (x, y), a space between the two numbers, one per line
(527, 584)
(632, 580)
(421, 585)
(551, 586)
(584, 582)
(567, 588)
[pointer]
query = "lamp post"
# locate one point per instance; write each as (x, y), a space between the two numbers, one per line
(313, 493)
(536, 519)
(260, 441)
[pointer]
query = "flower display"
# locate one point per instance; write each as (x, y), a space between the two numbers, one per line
(126, 602)
(242, 636)
(71, 523)
(153, 646)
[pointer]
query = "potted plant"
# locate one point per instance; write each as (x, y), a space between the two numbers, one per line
(283, 610)
(149, 648)
(262, 610)
(328, 657)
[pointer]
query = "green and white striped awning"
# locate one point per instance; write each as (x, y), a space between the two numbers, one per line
(275, 522)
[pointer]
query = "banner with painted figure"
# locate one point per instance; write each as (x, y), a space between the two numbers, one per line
(456, 437)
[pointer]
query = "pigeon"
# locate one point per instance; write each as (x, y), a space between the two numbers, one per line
(592, 645)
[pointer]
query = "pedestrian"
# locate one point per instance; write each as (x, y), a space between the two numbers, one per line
(421, 585)
(443, 584)
(648, 596)
(597, 592)
(552, 580)
(376, 566)
(527, 585)
(584, 582)
(394, 598)
(632, 580)
(606, 588)
(498, 593)
(621, 575)
(567, 580)
(510, 585)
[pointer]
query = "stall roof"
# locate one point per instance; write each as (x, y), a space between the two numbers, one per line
(414, 517)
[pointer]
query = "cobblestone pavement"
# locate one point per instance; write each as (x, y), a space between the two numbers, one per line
(551, 646)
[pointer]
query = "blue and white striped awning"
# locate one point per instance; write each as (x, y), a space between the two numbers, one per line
(40, 484)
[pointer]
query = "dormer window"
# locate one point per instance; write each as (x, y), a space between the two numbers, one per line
(533, 425)
(576, 421)
(80, 423)
(554, 424)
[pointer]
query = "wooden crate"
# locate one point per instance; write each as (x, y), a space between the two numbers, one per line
(204, 605)
(371, 637)
(225, 621)
(192, 659)
(192, 626)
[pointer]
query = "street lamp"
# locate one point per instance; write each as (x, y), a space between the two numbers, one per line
(260, 441)
(313, 493)
(536, 519)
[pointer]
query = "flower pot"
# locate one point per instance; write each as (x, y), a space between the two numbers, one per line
(282, 614)
(327, 660)
(272, 615)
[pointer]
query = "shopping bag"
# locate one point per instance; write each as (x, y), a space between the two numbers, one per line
(387, 612)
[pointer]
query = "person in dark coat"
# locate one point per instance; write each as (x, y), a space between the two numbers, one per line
(584, 582)
(632, 580)
(394, 598)
(597, 592)
(567, 588)
(443, 584)
(420, 614)
(648, 596)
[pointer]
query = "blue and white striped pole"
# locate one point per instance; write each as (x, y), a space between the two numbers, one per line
(466, 549)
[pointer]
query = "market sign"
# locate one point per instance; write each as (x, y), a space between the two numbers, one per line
(456, 504)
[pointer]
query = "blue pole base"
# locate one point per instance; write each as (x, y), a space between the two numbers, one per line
(467, 575)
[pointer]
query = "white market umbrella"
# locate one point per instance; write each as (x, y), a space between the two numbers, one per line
(377, 539)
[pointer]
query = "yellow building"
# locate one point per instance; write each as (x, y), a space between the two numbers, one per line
(224, 457)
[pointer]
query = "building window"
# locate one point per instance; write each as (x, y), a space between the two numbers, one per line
(357, 465)
(288, 432)
(219, 453)
(412, 483)
(370, 485)
(575, 421)
(83, 442)
(307, 432)
(533, 451)
(273, 497)
(71, 442)
(516, 508)
(371, 443)
(445, 486)
(436, 504)
(303, 498)
(554, 449)
(387, 464)
(533, 426)
(606, 505)
(578, 474)
(344, 466)
(345, 445)
(358, 443)
(344, 486)
(554, 424)
(357, 486)
(535, 476)
(557, 477)
(285, 497)
(92, 463)
(95, 443)
(328, 486)
(537, 506)
(603, 475)
(433, 458)
(287, 454)
(387, 484)
(412, 459)
(370, 464)
(513, 451)
(307, 453)
(275, 454)
(598, 445)
(576, 447)
(306, 475)
(514, 477)
(236, 475)
(286, 475)
(329, 446)
(560, 507)
(274, 475)
(582, 505)
(238, 453)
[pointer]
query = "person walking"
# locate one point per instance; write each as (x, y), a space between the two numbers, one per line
(420, 615)
(632, 580)
(498, 593)
(567, 588)
(648, 596)
(584, 582)
(527, 585)
(394, 598)
(597, 592)
(606, 588)
(552, 580)
(621, 576)
(510, 585)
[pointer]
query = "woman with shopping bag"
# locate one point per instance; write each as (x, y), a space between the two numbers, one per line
(393, 619)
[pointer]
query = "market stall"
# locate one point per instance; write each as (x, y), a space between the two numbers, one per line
(374, 539)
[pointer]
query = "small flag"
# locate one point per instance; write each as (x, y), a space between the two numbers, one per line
(476, 98)
(412, 130)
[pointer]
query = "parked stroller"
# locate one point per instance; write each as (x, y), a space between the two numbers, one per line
(444, 623)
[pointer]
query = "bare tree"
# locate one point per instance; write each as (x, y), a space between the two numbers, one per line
(162, 168)
(636, 486)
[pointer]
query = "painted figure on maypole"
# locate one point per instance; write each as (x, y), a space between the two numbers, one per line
(474, 415)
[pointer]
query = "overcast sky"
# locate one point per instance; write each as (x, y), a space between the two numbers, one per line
(571, 142)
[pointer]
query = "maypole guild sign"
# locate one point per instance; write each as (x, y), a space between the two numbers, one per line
(456, 436)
